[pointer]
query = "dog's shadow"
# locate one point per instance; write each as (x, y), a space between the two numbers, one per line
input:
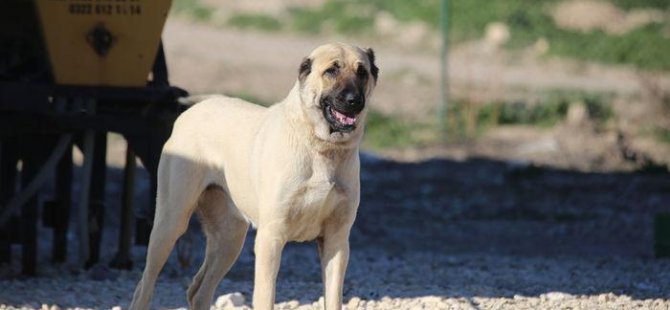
(484, 228)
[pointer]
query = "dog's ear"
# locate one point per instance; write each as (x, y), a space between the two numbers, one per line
(373, 67)
(305, 69)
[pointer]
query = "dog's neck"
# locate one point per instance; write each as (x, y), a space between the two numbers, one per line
(294, 102)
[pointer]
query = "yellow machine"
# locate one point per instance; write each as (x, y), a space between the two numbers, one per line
(102, 42)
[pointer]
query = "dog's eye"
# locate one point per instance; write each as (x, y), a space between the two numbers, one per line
(332, 71)
(361, 72)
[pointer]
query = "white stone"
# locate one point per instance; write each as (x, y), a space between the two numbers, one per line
(541, 46)
(230, 300)
(557, 296)
(353, 303)
(577, 114)
(497, 34)
(293, 304)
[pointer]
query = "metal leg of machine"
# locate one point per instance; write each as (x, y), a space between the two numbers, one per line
(123, 259)
(8, 160)
(62, 206)
(97, 198)
(32, 160)
(84, 191)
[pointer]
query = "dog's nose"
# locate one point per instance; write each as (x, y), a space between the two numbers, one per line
(352, 98)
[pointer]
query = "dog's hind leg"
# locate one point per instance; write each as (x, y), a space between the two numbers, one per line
(177, 197)
(226, 231)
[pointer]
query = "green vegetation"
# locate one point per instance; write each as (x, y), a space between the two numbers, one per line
(636, 4)
(662, 135)
(543, 115)
(467, 120)
(641, 47)
(342, 16)
(255, 21)
(385, 131)
(598, 109)
(528, 21)
(193, 9)
(645, 47)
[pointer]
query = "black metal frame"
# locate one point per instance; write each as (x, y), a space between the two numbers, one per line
(34, 115)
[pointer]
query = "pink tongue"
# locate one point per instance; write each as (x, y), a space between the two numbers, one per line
(344, 119)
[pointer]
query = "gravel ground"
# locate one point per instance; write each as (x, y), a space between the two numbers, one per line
(440, 234)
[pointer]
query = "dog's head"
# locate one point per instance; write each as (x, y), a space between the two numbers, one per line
(336, 81)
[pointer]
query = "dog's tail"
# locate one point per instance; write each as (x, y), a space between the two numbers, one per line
(192, 100)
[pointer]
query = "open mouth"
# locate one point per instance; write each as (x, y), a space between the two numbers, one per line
(339, 121)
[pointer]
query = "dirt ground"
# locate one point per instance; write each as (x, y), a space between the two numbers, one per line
(206, 59)
(523, 219)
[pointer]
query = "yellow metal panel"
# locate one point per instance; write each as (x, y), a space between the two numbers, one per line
(135, 27)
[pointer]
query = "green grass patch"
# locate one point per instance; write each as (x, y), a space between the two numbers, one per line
(193, 9)
(341, 16)
(641, 47)
(528, 21)
(467, 120)
(662, 135)
(544, 115)
(600, 111)
(408, 11)
(639, 4)
(387, 131)
(255, 21)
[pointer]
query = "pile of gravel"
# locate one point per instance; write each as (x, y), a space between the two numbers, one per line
(440, 234)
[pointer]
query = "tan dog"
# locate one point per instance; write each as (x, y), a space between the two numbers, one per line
(291, 169)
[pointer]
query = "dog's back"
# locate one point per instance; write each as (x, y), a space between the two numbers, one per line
(219, 132)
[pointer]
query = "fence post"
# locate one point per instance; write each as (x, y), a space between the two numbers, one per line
(442, 108)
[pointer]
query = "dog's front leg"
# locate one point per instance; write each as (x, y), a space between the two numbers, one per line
(268, 248)
(334, 252)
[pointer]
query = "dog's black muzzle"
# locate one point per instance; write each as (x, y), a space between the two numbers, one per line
(341, 110)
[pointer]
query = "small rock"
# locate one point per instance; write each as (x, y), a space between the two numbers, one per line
(292, 304)
(602, 298)
(557, 296)
(577, 114)
(542, 145)
(541, 46)
(497, 34)
(354, 302)
(230, 300)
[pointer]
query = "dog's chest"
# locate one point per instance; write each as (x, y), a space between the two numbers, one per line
(311, 203)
